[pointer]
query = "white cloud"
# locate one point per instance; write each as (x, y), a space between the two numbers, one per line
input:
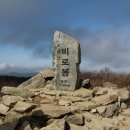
(2, 66)
(109, 48)
(11, 68)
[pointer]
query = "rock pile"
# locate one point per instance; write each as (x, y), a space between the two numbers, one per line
(35, 105)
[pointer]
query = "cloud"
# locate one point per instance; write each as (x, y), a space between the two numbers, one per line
(102, 27)
(6, 69)
(107, 48)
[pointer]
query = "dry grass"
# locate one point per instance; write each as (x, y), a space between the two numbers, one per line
(106, 75)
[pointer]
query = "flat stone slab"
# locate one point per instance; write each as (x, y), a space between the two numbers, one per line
(75, 119)
(11, 100)
(51, 110)
(66, 60)
(13, 91)
(84, 93)
(87, 106)
(3, 109)
(24, 107)
(105, 99)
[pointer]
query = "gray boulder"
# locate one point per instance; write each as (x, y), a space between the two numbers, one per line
(38, 81)
(75, 119)
(13, 91)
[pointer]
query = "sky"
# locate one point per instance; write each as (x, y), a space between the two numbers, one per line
(27, 28)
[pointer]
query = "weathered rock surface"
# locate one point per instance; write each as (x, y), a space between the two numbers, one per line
(11, 100)
(66, 60)
(38, 81)
(75, 119)
(25, 93)
(51, 111)
(123, 94)
(3, 109)
(101, 91)
(24, 106)
(101, 109)
(85, 105)
(105, 99)
(110, 110)
(12, 116)
(83, 93)
(86, 83)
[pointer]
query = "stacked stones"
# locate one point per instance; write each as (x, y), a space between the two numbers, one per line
(29, 107)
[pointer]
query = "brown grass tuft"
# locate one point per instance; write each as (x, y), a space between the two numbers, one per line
(106, 75)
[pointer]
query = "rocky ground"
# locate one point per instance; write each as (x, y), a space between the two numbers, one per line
(35, 105)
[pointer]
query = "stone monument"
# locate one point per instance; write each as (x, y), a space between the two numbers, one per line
(66, 60)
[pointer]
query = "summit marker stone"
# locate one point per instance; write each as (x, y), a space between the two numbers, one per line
(66, 60)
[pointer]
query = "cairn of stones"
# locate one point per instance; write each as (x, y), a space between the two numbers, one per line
(51, 101)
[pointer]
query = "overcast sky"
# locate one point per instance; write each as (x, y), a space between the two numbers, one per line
(27, 28)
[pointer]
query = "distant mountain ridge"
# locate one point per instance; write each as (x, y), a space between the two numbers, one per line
(16, 74)
(11, 81)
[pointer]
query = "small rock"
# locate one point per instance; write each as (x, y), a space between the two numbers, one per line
(123, 94)
(93, 111)
(86, 83)
(110, 110)
(11, 100)
(3, 109)
(75, 119)
(84, 93)
(101, 109)
(101, 91)
(123, 106)
(24, 107)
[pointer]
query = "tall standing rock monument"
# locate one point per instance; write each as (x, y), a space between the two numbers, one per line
(66, 60)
